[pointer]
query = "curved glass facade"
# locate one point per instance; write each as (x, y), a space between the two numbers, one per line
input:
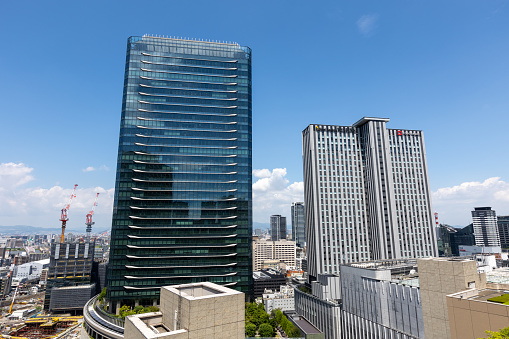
(182, 209)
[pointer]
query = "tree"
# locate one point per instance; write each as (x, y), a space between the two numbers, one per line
(502, 334)
(266, 330)
(153, 309)
(138, 309)
(272, 322)
(125, 311)
(278, 316)
(102, 295)
(250, 330)
(293, 332)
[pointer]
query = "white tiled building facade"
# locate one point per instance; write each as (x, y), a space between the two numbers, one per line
(486, 231)
(263, 250)
(367, 194)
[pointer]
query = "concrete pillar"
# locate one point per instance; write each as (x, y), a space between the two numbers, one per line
(154, 302)
(136, 303)
(117, 311)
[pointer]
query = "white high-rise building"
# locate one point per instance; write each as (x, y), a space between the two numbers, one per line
(367, 195)
(486, 232)
(263, 250)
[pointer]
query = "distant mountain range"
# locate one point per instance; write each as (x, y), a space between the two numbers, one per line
(26, 230)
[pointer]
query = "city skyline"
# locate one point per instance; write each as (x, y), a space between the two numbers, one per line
(439, 68)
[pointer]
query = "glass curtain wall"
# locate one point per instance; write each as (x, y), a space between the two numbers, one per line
(182, 208)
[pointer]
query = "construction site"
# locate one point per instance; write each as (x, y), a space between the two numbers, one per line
(44, 327)
(68, 287)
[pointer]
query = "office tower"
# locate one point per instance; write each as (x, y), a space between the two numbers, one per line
(503, 230)
(367, 195)
(277, 227)
(298, 223)
(485, 227)
(280, 251)
(182, 206)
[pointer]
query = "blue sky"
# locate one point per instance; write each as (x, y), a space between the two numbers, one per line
(437, 66)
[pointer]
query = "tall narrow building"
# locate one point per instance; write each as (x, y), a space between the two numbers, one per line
(503, 230)
(298, 224)
(182, 207)
(367, 195)
(486, 231)
(277, 227)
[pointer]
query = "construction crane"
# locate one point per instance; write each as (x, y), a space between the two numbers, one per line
(89, 221)
(63, 216)
(14, 297)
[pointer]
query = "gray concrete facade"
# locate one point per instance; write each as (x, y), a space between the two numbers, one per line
(367, 195)
(376, 307)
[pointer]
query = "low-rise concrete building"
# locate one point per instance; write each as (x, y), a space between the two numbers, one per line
(267, 279)
(380, 300)
(471, 313)
(439, 277)
(192, 311)
(322, 306)
(282, 299)
(30, 270)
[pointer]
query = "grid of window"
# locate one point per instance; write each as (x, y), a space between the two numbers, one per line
(366, 195)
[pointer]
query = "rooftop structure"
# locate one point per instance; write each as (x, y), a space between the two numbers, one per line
(474, 311)
(439, 277)
(310, 331)
(202, 310)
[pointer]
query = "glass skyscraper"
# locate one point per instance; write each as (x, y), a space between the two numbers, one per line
(298, 223)
(182, 208)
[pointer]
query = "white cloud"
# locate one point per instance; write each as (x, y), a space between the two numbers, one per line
(273, 194)
(262, 173)
(367, 24)
(13, 175)
(91, 168)
(455, 203)
(37, 206)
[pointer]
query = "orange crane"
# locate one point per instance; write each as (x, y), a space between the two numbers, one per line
(89, 221)
(63, 216)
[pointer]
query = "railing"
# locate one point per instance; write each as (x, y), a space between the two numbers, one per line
(100, 322)
(108, 317)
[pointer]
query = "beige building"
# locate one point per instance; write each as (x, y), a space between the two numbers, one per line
(281, 250)
(192, 311)
(471, 314)
(439, 277)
